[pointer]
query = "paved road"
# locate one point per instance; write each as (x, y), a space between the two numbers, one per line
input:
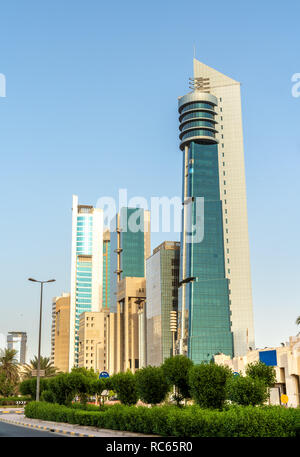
(10, 430)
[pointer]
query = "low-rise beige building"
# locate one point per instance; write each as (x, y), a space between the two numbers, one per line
(61, 332)
(93, 340)
(287, 368)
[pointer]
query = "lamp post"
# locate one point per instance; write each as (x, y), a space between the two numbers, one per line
(40, 333)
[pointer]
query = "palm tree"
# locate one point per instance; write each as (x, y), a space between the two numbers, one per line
(45, 364)
(9, 365)
(298, 320)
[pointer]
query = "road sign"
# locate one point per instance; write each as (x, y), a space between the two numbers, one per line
(235, 373)
(103, 374)
(34, 373)
(284, 399)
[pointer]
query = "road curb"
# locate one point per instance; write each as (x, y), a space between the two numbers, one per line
(48, 429)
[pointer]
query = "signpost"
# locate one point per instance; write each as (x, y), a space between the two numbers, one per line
(103, 374)
(34, 373)
(284, 399)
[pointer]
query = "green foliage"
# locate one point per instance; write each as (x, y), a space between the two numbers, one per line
(28, 387)
(208, 384)
(45, 364)
(237, 421)
(124, 384)
(246, 390)
(15, 401)
(62, 389)
(8, 387)
(261, 371)
(48, 396)
(9, 372)
(87, 373)
(176, 371)
(151, 383)
(97, 386)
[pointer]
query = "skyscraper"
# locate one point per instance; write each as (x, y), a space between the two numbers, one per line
(18, 342)
(86, 268)
(129, 248)
(215, 300)
(106, 269)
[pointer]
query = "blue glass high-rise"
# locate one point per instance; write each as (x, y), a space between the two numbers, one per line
(204, 304)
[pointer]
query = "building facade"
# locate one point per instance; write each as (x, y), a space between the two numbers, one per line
(86, 269)
(127, 331)
(106, 270)
(18, 342)
(162, 277)
(93, 340)
(129, 248)
(61, 332)
(215, 298)
(286, 361)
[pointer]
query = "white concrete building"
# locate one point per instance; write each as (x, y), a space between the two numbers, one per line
(286, 361)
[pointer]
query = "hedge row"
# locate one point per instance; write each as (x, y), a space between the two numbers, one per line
(236, 421)
(14, 400)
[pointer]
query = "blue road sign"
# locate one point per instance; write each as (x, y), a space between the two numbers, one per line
(103, 374)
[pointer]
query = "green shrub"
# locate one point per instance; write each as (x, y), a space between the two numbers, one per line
(16, 401)
(48, 396)
(246, 391)
(125, 386)
(151, 384)
(176, 371)
(28, 386)
(208, 384)
(62, 388)
(259, 370)
(234, 421)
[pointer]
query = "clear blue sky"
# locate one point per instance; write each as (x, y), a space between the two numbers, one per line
(91, 107)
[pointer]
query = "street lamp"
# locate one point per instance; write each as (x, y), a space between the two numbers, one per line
(40, 332)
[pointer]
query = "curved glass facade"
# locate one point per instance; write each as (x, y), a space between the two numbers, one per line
(195, 114)
(198, 132)
(204, 305)
(188, 125)
(196, 106)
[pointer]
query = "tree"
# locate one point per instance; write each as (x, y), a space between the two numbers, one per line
(208, 384)
(125, 386)
(45, 364)
(262, 371)
(246, 391)
(176, 371)
(7, 387)
(152, 385)
(62, 388)
(28, 386)
(9, 365)
(298, 320)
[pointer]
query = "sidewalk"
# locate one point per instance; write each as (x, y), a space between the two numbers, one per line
(74, 430)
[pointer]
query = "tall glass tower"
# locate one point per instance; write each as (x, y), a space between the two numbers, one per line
(86, 269)
(215, 303)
